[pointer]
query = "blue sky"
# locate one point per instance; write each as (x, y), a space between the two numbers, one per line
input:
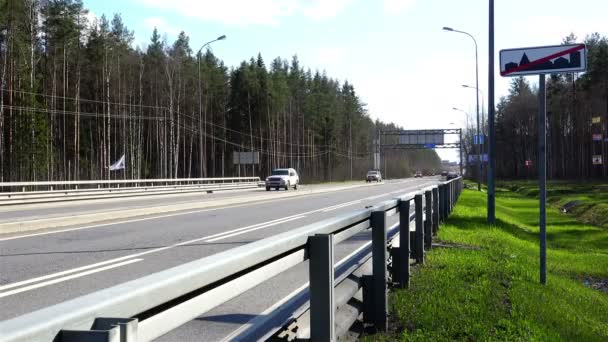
(402, 64)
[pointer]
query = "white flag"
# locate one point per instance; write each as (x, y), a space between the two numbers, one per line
(119, 165)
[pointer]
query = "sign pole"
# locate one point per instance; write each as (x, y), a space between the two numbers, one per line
(492, 148)
(460, 147)
(542, 175)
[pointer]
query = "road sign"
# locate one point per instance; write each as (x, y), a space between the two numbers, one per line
(421, 138)
(242, 158)
(597, 159)
(540, 61)
(543, 60)
(596, 137)
(478, 139)
(429, 145)
(596, 120)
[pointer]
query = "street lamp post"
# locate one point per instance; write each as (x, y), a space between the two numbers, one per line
(477, 87)
(482, 125)
(203, 123)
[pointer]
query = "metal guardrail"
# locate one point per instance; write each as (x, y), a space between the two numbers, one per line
(78, 190)
(148, 307)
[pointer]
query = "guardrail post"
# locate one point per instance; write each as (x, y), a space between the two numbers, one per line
(419, 243)
(452, 191)
(435, 210)
(401, 255)
(449, 198)
(379, 276)
(440, 202)
(428, 223)
(321, 273)
(104, 330)
(453, 196)
(444, 201)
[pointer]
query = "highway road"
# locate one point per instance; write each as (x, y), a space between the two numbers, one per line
(42, 268)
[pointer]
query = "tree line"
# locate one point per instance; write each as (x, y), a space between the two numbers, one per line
(76, 95)
(577, 108)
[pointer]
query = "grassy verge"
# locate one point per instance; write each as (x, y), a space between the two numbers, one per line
(592, 197)
(490, 290)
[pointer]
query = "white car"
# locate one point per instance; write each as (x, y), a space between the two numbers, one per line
(282, 178)
(373, 176)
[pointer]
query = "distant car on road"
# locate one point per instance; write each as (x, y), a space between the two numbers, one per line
(373, 175)
(444, 173)
(451, 175)
(282, 178)
(418, 174)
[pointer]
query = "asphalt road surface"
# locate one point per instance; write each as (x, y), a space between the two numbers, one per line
(38, 270)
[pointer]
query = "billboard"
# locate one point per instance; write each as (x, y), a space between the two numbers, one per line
(240, 158)
(596, 137)
(596, 119)
(421, 138)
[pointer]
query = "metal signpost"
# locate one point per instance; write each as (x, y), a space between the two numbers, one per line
(491, 117)
(540, 61)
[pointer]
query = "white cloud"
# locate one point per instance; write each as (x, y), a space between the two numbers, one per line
(329, 56)
(323, 9)
(397, 6)
(248, 12)
(161, 25)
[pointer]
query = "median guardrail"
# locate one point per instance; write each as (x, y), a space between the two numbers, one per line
(146, 308)
(29, 192)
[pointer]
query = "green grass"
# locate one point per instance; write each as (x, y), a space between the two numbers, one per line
(593, 197)
(492, 292)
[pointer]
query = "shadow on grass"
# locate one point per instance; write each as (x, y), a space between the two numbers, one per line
(568, 239)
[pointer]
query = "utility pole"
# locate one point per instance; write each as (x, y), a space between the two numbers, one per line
(460, 146)
(350, 143)
(491, 113)
(542, 175)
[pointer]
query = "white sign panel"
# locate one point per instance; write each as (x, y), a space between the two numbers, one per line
(543, 60)
(421, 139)
(240, 158)
(597, 159)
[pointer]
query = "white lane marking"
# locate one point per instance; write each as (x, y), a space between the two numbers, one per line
(143, 219)
(270, 309)
(209, 238)
(340, 206)
(73, 276)
(378, 196)
(252, 229)
(283, 300)
(279, 220)
(158, 217)
(230, 233)
(78, 269)
(164, 216)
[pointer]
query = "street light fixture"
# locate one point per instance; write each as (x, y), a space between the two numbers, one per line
(203, 165)
(449, 29)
